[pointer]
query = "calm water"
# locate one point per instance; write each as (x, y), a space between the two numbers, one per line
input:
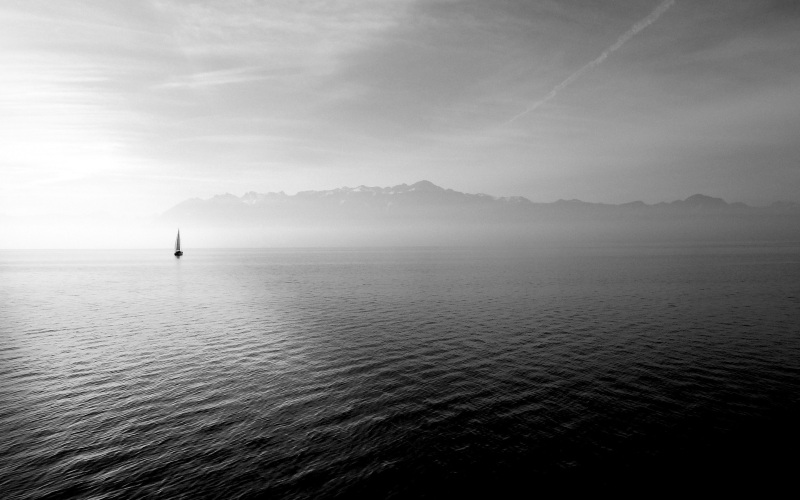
(409, 373)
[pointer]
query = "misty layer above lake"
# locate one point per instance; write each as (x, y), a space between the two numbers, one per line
(426, 214)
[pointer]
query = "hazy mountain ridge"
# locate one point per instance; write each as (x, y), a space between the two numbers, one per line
(425, 193)
(420, 192)
(426, 214)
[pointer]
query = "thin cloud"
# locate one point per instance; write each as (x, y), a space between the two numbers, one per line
(220, 77)
(636, 28)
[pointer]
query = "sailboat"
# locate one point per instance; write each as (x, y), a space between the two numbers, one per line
(178, 252)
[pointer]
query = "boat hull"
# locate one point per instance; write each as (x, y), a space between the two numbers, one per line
(178, 253)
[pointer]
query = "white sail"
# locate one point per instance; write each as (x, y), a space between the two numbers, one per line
(178, 242)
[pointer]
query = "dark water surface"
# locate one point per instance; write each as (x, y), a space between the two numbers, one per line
(408, 373)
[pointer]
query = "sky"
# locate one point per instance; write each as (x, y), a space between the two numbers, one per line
(129, 107)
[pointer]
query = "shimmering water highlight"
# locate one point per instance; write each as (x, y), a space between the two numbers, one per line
(403, 373)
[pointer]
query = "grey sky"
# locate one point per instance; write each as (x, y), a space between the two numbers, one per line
(132, 106)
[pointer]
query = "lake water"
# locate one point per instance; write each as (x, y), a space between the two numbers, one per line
(397, 373)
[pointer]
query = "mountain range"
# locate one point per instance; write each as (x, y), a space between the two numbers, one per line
(425, 213)
(387, 200)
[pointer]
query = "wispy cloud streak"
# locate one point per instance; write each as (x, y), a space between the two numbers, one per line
(636, 28)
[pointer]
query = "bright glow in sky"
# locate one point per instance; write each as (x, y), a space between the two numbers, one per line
(130, 107)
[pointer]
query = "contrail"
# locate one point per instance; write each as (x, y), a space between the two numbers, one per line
(636, 28)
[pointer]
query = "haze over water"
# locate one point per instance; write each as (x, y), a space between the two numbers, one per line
(397, 373)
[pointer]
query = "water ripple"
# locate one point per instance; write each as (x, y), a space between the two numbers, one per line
(392, 374)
